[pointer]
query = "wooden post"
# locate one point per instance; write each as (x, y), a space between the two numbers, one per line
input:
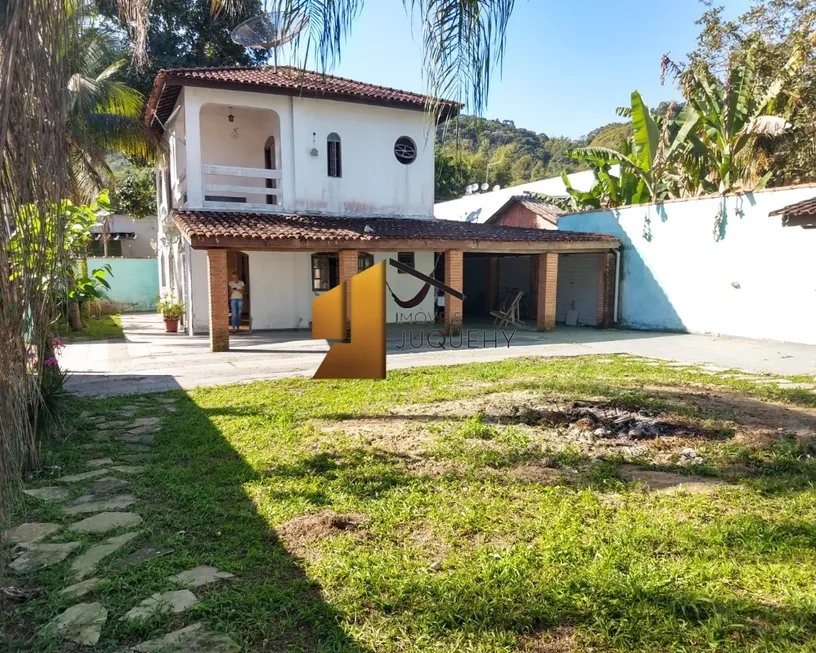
(454, 279)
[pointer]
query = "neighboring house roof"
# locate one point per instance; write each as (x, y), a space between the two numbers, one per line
(281, 80)
(207, 228)
(802, 214)
(540, 207)
(480, 207)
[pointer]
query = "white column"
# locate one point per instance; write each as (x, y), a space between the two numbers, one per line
(192, 115)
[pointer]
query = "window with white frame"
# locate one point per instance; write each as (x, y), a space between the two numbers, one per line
(335, 158)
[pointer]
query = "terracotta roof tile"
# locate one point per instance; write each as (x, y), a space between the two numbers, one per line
(266, 227)
(807, 208)
(284, 80)
(540, 207)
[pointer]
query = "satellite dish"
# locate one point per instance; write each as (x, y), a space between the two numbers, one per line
(270, 30)
(496, 187)
(468, 191)
(485, 186)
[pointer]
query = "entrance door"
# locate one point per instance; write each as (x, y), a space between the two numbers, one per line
(239, 262)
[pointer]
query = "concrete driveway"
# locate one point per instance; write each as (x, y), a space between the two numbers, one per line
(149, 360)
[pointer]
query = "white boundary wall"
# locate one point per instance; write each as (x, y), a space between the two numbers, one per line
(752, 277)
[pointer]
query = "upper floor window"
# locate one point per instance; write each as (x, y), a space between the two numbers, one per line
(364, 261)
(405, 150)
(334, 155)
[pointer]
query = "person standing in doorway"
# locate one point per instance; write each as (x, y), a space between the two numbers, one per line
(236, 291)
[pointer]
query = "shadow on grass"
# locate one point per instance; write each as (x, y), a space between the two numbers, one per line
(196, 503)
(274, 605)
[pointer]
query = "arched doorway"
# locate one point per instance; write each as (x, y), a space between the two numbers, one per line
(270, 163)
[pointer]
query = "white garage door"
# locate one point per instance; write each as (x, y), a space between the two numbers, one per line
(577, 287)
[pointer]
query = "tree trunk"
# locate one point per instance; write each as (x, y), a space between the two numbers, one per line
(75, 317)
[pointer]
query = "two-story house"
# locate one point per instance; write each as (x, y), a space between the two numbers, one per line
(296, 181)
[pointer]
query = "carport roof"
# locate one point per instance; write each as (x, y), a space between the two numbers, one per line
(802, 214)
(259, 230)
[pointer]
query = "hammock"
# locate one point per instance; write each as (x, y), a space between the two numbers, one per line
(414, 301)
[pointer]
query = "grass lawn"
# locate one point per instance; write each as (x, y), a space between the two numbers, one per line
(102, 327)
(469, 508)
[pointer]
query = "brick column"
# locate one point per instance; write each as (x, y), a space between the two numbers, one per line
(606, 290)
(545, 292)
(492, 285)
(219, 299)
(453, 278)
(348, 267)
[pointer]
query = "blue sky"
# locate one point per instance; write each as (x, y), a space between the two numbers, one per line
(568, 64)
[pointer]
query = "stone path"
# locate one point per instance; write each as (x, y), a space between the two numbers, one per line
(106, 509)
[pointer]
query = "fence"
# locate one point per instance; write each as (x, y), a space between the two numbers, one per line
(714, 265)
(134, 282)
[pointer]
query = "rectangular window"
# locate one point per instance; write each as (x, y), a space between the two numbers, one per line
(406, 258)
(325, 272)
(333, 149)
(96, 248)
(364, 261)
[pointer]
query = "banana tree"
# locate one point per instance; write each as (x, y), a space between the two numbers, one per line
(732, 115)
(646, 166)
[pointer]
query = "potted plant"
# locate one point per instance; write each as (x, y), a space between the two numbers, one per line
(171, 309)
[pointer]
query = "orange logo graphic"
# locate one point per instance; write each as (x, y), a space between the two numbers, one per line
(363, 357)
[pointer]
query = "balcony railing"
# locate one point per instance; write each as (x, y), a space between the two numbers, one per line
(241, 194)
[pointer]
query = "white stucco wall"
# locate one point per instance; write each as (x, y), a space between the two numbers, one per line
(757, 280)
(281, 289)
(145, 230)
(198, 292)
(373, 182)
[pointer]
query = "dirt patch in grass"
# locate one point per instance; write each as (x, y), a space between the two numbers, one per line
(669, 426)
(434, 468)
(749, 413)
(557, 640)
(539, 473)
(498, 406)
(668, 483)
(402, 436)
(300, 531)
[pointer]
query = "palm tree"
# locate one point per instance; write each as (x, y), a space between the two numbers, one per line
(463, 40)
(104, 116)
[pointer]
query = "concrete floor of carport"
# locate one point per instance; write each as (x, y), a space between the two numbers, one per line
(149, 360)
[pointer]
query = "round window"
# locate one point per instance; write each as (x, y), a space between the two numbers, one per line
(405, 150)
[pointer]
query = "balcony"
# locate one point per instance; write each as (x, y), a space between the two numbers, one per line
(237, 187)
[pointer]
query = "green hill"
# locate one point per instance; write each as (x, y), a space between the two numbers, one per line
(466, 145)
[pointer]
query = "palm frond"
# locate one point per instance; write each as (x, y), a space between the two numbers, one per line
(117, 133)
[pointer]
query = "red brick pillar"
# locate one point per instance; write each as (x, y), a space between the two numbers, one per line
(492, 285)
(606, 290)
(219, 299)
(348, 267)
(545, 292)
(453, 278)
